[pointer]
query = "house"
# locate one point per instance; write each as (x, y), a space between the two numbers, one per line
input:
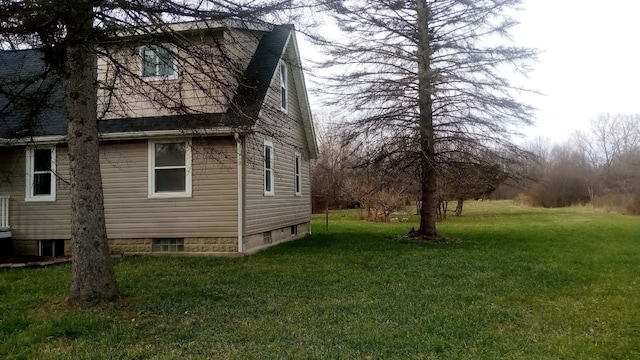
(222, 170)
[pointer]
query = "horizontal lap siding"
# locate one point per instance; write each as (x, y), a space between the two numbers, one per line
(132, 97)
(199, 87)
(210, 212)
(35, 219)
(265, 213)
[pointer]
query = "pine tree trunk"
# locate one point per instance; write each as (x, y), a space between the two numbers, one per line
(93, 277)
(428, 209)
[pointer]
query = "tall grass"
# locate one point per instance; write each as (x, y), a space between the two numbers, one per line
(628, 204)
(519, 283)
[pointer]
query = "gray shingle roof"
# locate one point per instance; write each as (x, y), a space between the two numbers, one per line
(31, 99)
(260, 71)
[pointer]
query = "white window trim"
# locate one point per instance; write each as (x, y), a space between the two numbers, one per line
(152, 173)
(30, 163)
(284, 75)
(172, 50)
(272, 192)
(297, 174)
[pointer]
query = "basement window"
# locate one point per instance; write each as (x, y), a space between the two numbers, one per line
(266, 237)
(294, 230)
(168, 245)
(51, 248)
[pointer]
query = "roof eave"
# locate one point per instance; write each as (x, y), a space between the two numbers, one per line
(303, 100)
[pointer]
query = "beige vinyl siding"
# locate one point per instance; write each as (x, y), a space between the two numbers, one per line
(197, 88)
(266, 213)
(35, 219)
(210, 212)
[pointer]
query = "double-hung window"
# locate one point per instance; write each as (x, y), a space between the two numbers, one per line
(170, 168)
(284, 95)
(158, 62)
(297, 177)
(41, 178)
(268, 169)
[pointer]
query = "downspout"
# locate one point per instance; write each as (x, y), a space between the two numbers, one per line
(240, 190)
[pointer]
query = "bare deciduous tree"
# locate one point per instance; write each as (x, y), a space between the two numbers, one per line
(331, 170)
(609, 136)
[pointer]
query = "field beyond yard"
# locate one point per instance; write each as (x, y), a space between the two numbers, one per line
(518, 283)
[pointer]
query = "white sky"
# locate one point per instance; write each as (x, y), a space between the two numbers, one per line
(589, 62)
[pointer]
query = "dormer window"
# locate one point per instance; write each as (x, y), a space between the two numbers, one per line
(158, 62)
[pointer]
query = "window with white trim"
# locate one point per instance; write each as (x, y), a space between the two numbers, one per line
(297, 177)
(169, 168)
(40, 176)
(284, 95)
(268, 169)
(158, 62)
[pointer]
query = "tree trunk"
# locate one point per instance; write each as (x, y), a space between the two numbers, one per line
(93, 277)
(458, 211)
(428, 212)
(442, 209)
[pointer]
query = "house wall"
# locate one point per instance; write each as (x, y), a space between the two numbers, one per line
(279, 212)
(39, 219)
(211, 213)
(256, 242)
(204, 82)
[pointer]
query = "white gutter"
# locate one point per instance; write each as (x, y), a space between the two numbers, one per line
(240, 191)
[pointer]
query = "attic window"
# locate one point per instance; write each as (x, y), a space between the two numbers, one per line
(284, 95)
(158, 62)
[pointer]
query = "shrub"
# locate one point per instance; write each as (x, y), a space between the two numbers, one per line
(628, 204)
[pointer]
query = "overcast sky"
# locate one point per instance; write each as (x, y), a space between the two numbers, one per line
(589, 61)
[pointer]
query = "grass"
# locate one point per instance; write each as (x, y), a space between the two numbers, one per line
(520, 283)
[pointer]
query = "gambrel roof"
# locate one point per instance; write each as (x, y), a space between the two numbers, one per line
(31, 96)
(36, 110)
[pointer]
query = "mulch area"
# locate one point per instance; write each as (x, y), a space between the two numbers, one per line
(32, 261)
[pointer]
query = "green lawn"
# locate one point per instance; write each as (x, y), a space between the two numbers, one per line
(519, 283)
